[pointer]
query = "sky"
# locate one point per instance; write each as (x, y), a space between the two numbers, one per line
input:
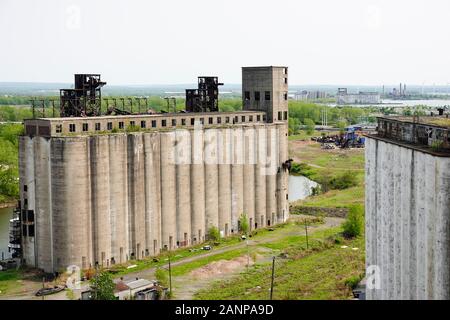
(354, 42)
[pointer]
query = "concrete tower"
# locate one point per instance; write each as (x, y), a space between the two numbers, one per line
(266, 89)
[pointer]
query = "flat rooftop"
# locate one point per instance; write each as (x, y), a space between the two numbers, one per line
(429, 134)
(436, 121)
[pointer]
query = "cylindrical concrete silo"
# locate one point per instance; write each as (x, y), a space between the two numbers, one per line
(168, 191)
(249, 173)
(260, 176)
(224, 181)
(182, 157)
(237, 178)
(211, 179)
(197, 189)
(118, 186)
(99, 163)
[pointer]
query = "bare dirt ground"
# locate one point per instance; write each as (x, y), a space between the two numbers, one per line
(187, 285)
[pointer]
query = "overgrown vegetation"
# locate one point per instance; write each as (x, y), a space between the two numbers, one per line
(354, 224)
(243, 223)
(213, 234)
(162, 275)
(103, 286)
(9, 153)
(340, 173)
(320, 272)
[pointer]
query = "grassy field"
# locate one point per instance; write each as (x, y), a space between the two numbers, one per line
(320, 272)
(330, 163)
(8, 281)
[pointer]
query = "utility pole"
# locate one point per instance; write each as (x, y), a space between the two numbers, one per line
(306, 230)
(273, 274)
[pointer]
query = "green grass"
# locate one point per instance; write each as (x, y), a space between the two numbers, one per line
(336, 198)
(9, 282)
(299, 241)
(188, 267)
(176, 255)
(331, 163)
(318, 273)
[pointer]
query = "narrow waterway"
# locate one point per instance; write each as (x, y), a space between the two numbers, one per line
(5, 216)
(300, 187)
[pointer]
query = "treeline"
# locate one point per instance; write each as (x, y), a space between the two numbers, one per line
(15, 100)
(9, 172)
(15, 113)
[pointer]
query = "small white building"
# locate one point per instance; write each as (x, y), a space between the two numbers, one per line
(129, 290)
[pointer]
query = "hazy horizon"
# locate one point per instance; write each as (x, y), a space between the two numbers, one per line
(324, 42)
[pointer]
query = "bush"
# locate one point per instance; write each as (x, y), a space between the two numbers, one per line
(344, 181)
(436, 145)
(354, 224)
(103, 287)
(353, 281)
(162, 276)
(301, 169)
(243, 223)
(213, 234)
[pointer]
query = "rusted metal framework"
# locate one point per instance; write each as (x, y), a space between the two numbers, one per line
(206, 97)
(85, 99)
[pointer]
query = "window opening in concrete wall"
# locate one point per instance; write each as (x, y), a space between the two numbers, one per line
(31, 230)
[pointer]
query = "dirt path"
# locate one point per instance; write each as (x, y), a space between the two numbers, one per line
(185, 285)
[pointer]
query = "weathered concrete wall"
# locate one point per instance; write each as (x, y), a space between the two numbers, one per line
(407, 221)
(109, 198)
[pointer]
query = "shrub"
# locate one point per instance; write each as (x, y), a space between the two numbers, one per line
(436, 145)
(344, 181)
(213, 234)
(243, 223)
(103, 287)
(354, 224)
(353, 281)
(162, 276)
(133, 129)
(301, 169)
